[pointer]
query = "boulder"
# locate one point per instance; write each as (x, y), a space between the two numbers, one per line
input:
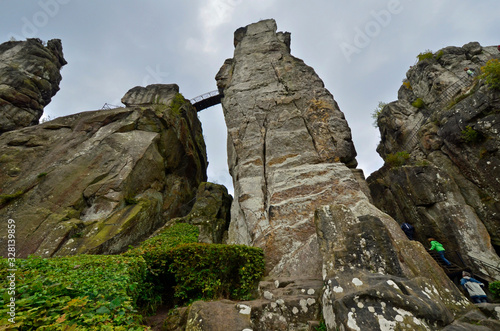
(210, 213)
(99, 181)
(449, 186)
(29, 78)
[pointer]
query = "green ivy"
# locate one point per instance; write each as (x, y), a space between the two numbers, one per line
(184, 270)
(85, 292)
(216, 271)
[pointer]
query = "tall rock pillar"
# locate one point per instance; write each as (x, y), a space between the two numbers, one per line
(288, 145)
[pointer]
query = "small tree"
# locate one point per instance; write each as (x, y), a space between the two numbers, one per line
(377, 111)
(491, 73)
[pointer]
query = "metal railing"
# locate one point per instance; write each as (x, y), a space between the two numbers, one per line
(443, 98)
(204, 96)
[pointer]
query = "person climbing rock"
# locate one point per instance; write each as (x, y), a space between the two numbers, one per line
(408, 229)
(470, 72)
(473, 287)
(436, 245)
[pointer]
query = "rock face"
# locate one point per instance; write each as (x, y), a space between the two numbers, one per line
(286, 137)
(98, 181)
(449, 188)
(210, 213)
(299, 197)
(29, 78)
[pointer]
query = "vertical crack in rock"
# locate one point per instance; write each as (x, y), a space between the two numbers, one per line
(299, 197)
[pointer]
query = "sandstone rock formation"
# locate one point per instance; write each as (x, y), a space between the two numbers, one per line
(98, 181)
(210, 213)
(449, 188)
(299, 197)
(29, 78)
(286, 137)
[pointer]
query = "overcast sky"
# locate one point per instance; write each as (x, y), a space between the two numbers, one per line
(360, 49)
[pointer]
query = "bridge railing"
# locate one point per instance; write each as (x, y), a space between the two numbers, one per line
(204, 96)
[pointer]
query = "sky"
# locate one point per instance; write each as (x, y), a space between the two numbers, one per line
(360, 49)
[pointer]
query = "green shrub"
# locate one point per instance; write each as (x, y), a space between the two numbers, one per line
(398, 159)
(425, 55)
(491, 73)
(156, 253)
(185, 271)
(494, 288)
(216, 271)
(419, 103)
(469, 135)
(87, 292)
(376, 113)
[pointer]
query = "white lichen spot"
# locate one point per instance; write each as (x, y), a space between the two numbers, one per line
(353, 309)
(303, 305)
(383, 304)
(360, 305)
(386, 325)
(244, 309)
(280, 302)
(273, 305)
(268, 295)
(247, 329)
(303, 290)
(371, 309)
(351, 322)
(416, 321)
(357, 281)
(338, 289)
(295, 310)
(282, 318)
(391, 283)
(399, 318)
(310, 291)
(311, 301)
(277, 283)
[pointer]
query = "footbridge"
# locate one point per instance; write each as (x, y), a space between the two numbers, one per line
(206, 100)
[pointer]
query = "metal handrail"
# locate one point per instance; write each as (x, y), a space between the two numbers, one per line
(204, 96)
(410, 142)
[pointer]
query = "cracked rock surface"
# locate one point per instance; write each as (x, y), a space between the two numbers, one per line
(98, 181)
(29, 78)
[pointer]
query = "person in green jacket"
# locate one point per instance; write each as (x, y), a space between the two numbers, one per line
(436, 245)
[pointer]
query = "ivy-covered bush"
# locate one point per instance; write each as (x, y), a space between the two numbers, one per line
(184, 270)
(212, 271)
(85, 292)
